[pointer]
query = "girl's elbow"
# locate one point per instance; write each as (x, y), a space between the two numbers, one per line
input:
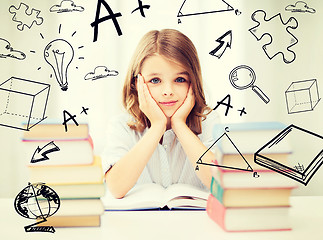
(115, 189)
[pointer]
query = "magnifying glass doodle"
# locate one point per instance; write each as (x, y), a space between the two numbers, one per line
(243, 77)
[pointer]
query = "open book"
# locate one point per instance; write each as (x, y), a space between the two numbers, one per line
(154, 196)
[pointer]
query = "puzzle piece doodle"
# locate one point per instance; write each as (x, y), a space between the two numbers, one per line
(278, 31)
(25, 17)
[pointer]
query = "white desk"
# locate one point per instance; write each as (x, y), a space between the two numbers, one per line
(306, 217)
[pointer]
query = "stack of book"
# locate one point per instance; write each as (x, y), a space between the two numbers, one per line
(244, 195)
(65, 162)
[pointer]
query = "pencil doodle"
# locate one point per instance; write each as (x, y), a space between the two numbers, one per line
(22, 101)
(66, 6)
(301, 171)
(100, 72)
(300, 6)
(281, 39)
(194, 7)
(37, 201)
(112, 16)
(7, 51)
(141, 8)
(59, 54)
(225, 42)
(41, 153)
(243, 77)
(217, 142)
(302, 96)
(25, 17)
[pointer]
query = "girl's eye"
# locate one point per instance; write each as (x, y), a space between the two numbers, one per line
(154, 80)
(180, 79)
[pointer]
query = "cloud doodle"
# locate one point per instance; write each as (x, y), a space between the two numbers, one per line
(100, 72)
(66, 6)
(300, 6)
(6, 51)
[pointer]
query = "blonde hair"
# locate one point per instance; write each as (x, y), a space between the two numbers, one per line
(178, 48)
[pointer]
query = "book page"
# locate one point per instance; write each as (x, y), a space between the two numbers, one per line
(143, 196)
(179, 195)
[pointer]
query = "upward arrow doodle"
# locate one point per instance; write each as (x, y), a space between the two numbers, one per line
(224, 42)
(40, 154)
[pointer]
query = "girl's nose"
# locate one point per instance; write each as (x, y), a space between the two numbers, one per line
(168, 90)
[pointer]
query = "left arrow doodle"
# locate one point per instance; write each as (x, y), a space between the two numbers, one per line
(40, 154)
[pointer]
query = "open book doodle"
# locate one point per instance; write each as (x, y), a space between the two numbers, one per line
(303, 164)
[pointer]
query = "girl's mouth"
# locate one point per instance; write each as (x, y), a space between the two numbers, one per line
(169, 103)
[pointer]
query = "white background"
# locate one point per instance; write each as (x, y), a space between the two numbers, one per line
(102, 96)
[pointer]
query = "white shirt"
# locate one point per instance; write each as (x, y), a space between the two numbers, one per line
(168, 163)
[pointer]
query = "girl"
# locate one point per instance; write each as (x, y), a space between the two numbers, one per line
(163, 139)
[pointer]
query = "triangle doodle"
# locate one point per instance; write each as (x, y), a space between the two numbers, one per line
(225, 137)
(194, 7)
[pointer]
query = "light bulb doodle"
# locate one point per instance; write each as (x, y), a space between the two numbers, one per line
(59, 54)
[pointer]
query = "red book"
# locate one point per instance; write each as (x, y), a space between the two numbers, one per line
(245, 219)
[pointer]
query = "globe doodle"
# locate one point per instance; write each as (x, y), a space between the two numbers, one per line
(37, 201)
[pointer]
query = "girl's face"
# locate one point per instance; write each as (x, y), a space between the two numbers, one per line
(167, 81)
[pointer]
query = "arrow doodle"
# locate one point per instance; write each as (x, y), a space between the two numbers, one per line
(40, 154)
(224, 42)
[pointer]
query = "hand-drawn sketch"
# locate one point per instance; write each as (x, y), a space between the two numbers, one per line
(37, 201)
(59, 54)
(40, 153)
(112, 16)
(194, 7)
(24, 16)
(243, 77)
(224, 137)
(242, 111)
(302, 96)
(84, 110)
(141, 8)
(225, 42)
(300, 168)
(279, 32)
(66, 120)
(100, 72)
(228, 105)
(22, 103)
(6, 51)
(66, 6)
(300, 6)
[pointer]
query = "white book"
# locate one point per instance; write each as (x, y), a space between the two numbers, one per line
(154, 196)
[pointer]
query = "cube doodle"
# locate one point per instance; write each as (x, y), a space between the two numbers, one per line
(22, 103)
(302, 96)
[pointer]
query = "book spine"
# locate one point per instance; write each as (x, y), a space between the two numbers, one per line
(216, 211)
(217, 190)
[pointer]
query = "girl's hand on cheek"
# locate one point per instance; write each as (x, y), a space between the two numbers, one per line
(184, 110)
(148, 105)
